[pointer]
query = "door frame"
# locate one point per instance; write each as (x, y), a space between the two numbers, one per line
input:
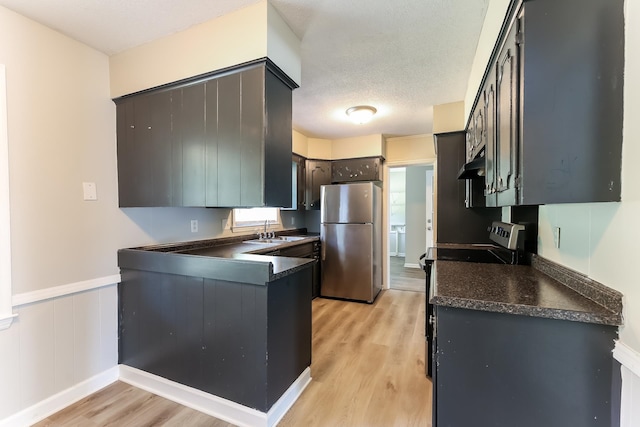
(386, 197)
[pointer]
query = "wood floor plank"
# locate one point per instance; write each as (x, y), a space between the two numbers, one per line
(405, 278)
(367, 370)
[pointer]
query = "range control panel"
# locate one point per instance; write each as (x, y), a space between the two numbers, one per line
(511, 236)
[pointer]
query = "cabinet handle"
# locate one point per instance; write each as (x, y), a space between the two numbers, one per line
(149, 128)
(132, 127)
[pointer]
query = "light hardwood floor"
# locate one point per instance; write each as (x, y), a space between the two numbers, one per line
(368, 370)
(405, 278)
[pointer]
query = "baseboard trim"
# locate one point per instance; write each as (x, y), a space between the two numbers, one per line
(215, 406)
(286, 401)
(409, 265)
(628, 357)
(57, 402)
(63, 290)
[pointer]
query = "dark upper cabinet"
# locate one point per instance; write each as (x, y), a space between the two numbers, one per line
(298, 164)
(220, 140)
(359, 169)
(145, 173)
(190, 132)
(506, 143)
(558, 72)
(489, 95)
(318, 174)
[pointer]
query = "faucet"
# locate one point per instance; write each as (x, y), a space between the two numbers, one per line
(266, 234)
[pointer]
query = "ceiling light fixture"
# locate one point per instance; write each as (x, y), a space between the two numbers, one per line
(361, 114)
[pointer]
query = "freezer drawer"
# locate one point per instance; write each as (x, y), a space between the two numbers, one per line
(350, 203)
(348, 262)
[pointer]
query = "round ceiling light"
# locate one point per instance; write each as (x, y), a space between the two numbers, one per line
(361, 114)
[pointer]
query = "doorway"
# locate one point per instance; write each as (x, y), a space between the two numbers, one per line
(409, 224)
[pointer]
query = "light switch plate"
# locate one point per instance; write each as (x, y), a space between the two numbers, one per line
(556, 237)
(89, 191)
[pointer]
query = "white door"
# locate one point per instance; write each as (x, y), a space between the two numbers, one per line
(429, 208)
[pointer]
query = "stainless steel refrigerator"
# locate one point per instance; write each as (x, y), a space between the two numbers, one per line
(351, 235)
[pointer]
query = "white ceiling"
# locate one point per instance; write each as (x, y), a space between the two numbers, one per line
(402, 56)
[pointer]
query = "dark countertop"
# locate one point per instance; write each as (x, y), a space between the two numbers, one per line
(523, 290)
(227, 259)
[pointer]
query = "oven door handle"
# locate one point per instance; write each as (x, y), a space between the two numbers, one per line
(421, 262)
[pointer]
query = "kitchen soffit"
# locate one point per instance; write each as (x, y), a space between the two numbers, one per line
(401, 57)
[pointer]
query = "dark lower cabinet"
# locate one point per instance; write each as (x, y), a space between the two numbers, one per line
(243, 342)
(504, 370)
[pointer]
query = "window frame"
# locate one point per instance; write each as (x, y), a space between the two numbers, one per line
(237, 224)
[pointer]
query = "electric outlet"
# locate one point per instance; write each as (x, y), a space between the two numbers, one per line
(89, 191)
(293, 220)
(224, 223)
(556, 236)
(194, 225)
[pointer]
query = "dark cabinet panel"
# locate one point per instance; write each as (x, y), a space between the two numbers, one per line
(558, 104)
(252, 129)
(490, 146)
(277, 142)
(507, 120)
(211, 143)
(572, 108)
(353, 170)
(223, 140)
(243, 342)
(298, 162)
(144, 150)
(512, 370)
(229, 154)
(454, 222)
(318, 174)
(191, 128)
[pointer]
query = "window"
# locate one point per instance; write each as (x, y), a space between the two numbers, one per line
(6, 308)
(255, 217)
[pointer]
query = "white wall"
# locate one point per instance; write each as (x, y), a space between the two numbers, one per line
(601, 240)
(254, 32)
(416, 213)
(53, 347)
(62, 132)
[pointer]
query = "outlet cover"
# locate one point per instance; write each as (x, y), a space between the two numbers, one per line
(194, 225)
(89, 191)
(556, 237)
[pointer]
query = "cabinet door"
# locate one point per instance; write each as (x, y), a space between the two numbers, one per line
(129, 173)
(211, 143)
(229, 149)
(507, 120)
(251, 163)
(300, 179)
(470, 137)
(353, 170)
(318, 173)
(479, 125)
(490, 144)
(145, 150)
(191, 127)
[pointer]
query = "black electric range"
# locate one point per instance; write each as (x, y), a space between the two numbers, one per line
(507, 250)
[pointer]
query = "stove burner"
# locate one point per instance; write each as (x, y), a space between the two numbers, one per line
(486, 256)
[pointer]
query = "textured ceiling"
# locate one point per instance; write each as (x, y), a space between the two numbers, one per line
(402, 57)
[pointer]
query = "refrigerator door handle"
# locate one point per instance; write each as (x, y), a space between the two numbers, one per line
(323, 245)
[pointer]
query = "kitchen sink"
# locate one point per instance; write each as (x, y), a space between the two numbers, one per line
(277, 239)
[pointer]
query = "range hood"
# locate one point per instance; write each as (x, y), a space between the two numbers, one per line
(473, 169)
